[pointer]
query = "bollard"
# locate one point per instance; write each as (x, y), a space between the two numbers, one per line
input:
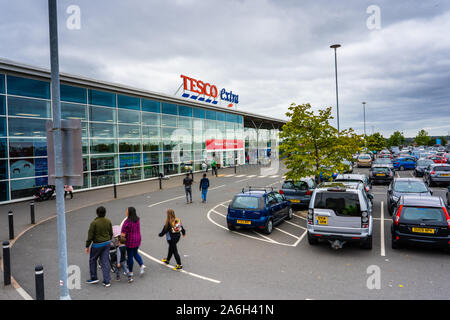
(32, 213)
(115, 191)
(6, 264)
(39, 280)
(11, 225)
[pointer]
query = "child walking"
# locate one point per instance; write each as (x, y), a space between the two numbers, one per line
(172, 229)
(122, 260)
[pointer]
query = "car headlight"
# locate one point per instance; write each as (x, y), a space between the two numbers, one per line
(395, 198)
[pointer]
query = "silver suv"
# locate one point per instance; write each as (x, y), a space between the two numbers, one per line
(340, 212)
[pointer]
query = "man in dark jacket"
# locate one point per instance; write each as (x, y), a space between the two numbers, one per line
(187, 182)
(204, 185)
(99, 240)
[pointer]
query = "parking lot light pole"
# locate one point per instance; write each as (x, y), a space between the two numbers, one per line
(364, 108)
(335, 46)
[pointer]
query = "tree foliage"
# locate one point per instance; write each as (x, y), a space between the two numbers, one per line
(375, 142)
(312, 145)
(396, 139)
(422, 138)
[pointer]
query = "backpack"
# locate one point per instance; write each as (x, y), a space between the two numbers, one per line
(176, 228)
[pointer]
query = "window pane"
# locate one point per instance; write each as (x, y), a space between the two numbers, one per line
(103, 130)
(3, 146)
(103, 146)
(221, 116)
(129, 145)
(28, 87)
(3, 127)
(185, 111)
(151, 172)
(26, 187)
(199, 113)
(127, 102)
(151, 119)
(73, 111)
(210, 115)
(169, 108)
(73, 94)
(185, 123)
(126, 131)
(26, 128)
(30, 167)
(19, 148)
(4, 191)
(151, 132)
(151, 106)
(2, 83)
(128, 116)
(102, 114)
(3, 169)
(2, 106)
(130, 174)
(171, 169)
(102, 178)
(28, 108)
(151, 145)
(152, 158)
(103, 162)
(130, 160)
(102, 98)
(169, 121)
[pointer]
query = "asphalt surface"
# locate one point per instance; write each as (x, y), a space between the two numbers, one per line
(219, 264)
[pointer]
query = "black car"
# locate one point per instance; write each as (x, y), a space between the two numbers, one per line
(421, 220)
(421, 165)
(405, 186)
(298, 192)
(380, 173)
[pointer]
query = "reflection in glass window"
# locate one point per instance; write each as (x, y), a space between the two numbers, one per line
(3, 148)
(26, 187)
(130, 160)
(29, 147)
(170, 169)
(103, 130)
(199, 113)
(130, 174)
(210, 115)
(103, 162)
(28, 167)
(28, 87)
(169, 108)
(103, 146)
(27, 128)
(127, 131)
(152, 158)
(129, 146)
(185, 111)
(168, 121)
(2, 83)
(102, 98)
(4, 191)
(71, 111)
(128, 102)
(151, 145)
(185, 122)
(151, 105)
(102, 178)
(2, 106)
(129, 116)
(102, 114)
(151, 132)
(3, 169)
(2, 126)
(151, 119)
(23, 107)
(151, 172)
(73, 94)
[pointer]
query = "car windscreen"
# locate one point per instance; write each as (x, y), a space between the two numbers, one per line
(410, 187)
(441, 168)
(364, 157)
(342, 203)
(422, 214)
(247, 202)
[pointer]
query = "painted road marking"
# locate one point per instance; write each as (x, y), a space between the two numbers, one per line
(289, 234)
(242, 180)
(180, 197)
(383, 253)
(240, 176)
(299, 216)
(252, 176)
(295, 225)
(276, 176)
(182, 270)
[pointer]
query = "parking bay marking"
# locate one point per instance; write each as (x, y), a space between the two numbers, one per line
(180, 197)
(383, 252)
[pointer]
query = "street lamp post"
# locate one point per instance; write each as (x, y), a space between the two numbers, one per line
(364, 108)
(335, 46)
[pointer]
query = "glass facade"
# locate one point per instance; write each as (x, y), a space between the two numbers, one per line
(125, 138)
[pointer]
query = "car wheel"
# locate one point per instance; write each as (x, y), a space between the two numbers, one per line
(367, 244)
(311, 240)
(402, 168)
(231, 227)
(268, 228)
(290, 214)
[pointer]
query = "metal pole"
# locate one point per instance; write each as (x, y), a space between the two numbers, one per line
(59, 174)
(11, 225)
(6, 264)
(364, 108)
(32, 213)
(337, 99)
(115, 190)
(39, 281)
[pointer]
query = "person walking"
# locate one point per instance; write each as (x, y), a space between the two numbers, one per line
(68, 189)
(187, 182)
(204, 185)
(172, 229)
(214, 167)
(97, 245)
(131, 230)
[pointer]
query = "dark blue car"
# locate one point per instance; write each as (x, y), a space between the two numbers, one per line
(405, 163)
(258, 208)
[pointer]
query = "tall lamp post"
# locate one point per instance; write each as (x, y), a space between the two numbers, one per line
(364, 108)
(335, 46)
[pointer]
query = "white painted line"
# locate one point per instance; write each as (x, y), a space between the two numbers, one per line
(383, 253)
(222, 205)
(267, 238)
(23, 294)
(398, 176)
(155, 204)
(220, 214)
(242, 180)
(295, 225)
(182, 271)
(276, 176)
(217, 187)
(300, 239)
(379, 219)
(289, 234)
(240, 176)
(262, 176)
(229, 175)
(252, 176)
(295, 215)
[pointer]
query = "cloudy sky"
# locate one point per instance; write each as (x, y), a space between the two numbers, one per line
(270, 52)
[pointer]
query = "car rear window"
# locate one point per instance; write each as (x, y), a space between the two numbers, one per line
(342, 203)
(364, 157)
(247, 202)
(442, 168)
(302, 185)
(422, 214)
(424, 163)
(410, 187)
(380, 169)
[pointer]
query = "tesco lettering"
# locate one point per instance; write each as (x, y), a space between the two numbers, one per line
(199, 87)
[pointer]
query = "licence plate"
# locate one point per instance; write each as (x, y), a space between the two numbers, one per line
(380, 174)
(322, 220)
(423, 230)
(244, 222)
(295, 201)
(445, 175)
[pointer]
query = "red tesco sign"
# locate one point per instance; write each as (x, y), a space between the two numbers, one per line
(199, 87)
(222, 144)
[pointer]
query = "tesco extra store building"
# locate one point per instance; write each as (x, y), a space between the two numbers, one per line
(129, 134)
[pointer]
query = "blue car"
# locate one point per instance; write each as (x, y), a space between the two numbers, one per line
(405, 163)
(258, 208)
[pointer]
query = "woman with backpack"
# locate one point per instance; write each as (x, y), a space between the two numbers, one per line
(131, 231)
(172, 229)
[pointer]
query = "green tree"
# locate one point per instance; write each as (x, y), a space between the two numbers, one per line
(375, 142)
(422, 138)
(312, 145)
(396, 139)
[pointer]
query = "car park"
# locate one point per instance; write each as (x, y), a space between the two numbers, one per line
(437, 174)
(405, 186)
(354, 177)
(438, 159)
(383, 161)
(421, 220)
(421, 165)
(364, 160)
(405, 163)
(258, 208)
(447, 156)
(339, 213)
(380, 173)
(298, 192)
